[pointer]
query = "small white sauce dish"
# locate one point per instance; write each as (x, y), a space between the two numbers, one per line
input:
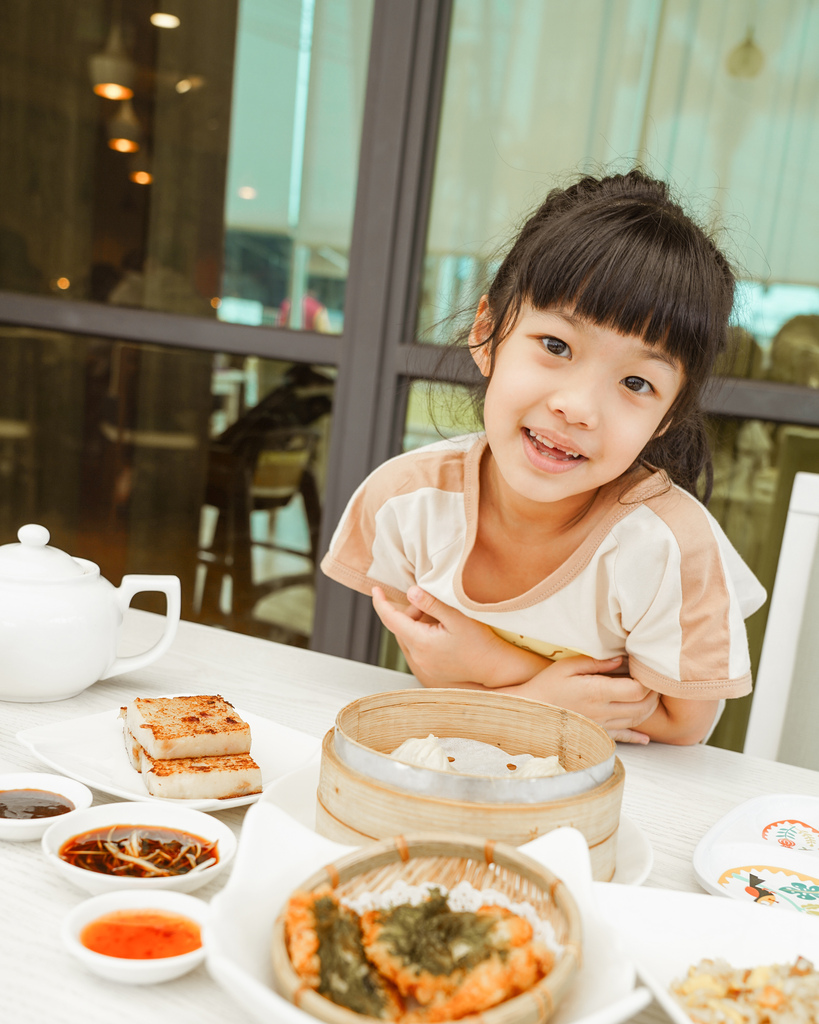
(170, 815)
(25, 830)
(126, 971)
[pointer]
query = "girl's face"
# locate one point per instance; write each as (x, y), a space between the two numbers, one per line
(569, 405)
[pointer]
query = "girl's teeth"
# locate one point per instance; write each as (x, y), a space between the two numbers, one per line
(548, 444)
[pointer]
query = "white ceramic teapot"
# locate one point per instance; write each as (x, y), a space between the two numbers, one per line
(60, 619)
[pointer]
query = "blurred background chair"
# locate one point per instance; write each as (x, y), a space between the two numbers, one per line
(784, 720)
(269, 460)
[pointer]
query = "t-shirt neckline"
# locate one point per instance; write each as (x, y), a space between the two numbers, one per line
(620, 500)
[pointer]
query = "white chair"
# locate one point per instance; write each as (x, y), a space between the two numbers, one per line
(784, 721)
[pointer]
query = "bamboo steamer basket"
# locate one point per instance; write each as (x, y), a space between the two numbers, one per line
(355, 808)
(447, 860)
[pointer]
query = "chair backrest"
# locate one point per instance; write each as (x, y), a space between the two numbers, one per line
(784, 722)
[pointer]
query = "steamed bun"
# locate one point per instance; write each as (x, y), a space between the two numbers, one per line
(426, 753)
(540, 767)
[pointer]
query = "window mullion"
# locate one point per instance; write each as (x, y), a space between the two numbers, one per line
(403, 91)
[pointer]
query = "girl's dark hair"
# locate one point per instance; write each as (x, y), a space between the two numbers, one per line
(620, 252)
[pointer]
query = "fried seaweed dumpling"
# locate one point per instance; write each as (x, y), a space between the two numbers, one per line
(324, 943)
(453, 963)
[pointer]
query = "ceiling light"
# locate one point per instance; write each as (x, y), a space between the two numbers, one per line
(161, 20)
(191, 82)
(140, 168)
(124, 130)
(112, 71)
(246, 192)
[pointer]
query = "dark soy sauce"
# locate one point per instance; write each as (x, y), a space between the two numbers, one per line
(32, 803)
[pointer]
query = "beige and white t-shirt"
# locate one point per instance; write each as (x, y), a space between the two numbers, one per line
(656, 580)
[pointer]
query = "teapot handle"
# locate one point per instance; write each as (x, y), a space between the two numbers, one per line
(135, 584)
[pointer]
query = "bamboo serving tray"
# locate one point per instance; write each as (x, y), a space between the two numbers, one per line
(354, 807)
(369, 728)
(447, 860)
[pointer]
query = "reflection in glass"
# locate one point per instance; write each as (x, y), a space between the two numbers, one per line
(435, 411)
(264, 484)
(300, 72)
(157, 460)
(755, 463)
(223, 185)
(536, 92)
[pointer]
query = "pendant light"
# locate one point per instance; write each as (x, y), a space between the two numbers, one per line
(162, 20)
(139, 167)
(112, 71)
(746, 59)
(124, 130)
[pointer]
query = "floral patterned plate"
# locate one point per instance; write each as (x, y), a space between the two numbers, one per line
(765, 851)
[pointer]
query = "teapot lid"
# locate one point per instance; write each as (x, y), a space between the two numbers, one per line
(34, 559)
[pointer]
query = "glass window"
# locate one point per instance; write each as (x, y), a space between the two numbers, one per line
(183, 167)
(300, 71)
(153, 459)
(437, 410)
(755, 463)
(716, 98)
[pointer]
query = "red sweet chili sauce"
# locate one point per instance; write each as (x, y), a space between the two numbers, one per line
(141, 934)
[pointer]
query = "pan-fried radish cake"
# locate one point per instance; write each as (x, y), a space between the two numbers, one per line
(196, 724)
(201, 778)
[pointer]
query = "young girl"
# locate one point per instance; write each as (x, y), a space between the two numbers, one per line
(562, 553)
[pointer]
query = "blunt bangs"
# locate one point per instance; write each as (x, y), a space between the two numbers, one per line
(634, 267)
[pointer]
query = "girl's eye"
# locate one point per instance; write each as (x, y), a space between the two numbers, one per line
(638, 385)
(556, 347)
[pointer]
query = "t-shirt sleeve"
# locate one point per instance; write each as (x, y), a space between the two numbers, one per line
(683, 594)
(367, 548)
(399, 521)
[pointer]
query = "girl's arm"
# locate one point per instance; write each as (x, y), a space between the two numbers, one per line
(443, 647)
(604, 698)
(680, 721)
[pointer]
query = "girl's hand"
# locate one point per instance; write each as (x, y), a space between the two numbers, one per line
(618, 703)
(628, 736)
(444, 647)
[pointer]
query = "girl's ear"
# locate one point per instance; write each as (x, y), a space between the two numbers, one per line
(481, 329)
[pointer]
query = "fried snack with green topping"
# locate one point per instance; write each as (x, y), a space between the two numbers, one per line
(324, 943)
(453, 963)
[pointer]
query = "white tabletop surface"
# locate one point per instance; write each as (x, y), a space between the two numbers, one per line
(674, 794)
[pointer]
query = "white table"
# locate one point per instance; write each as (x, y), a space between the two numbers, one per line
(673, 793)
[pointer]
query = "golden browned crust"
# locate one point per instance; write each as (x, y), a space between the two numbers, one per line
(202, 765)
(173, 717)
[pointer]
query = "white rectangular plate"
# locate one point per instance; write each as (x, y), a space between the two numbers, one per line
(667, 932)
(91, 750)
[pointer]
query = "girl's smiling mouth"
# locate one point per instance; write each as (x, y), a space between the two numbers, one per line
(546, 454)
